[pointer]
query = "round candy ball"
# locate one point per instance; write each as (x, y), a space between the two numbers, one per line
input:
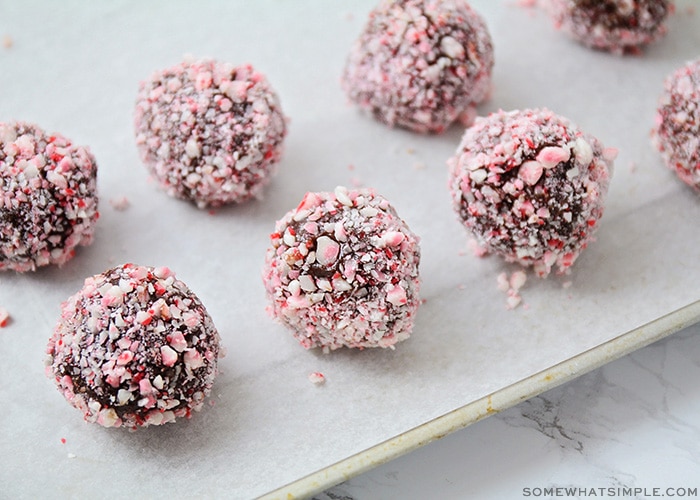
(676, 133)
(342, 271)
(134, 347)
(530, 186)
(618, 26)
(48, 199)
(209, 132)
(421, 64)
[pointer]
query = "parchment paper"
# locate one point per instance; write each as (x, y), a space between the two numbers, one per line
(74, 67)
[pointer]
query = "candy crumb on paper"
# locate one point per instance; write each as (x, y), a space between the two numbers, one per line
(317, 378)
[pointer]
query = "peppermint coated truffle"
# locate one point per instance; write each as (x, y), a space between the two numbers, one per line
(676, 133)
(342, 271)
(618, 26)
(48, 197)
(209, 132)
(421, 64)
(530, 186)
(134, 347)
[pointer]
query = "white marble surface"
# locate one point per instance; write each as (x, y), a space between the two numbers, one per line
(634, 423)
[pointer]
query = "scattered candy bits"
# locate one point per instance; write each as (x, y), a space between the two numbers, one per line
(511, 285)
(134, 347)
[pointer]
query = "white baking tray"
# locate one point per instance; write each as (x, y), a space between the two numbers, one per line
(74, 68)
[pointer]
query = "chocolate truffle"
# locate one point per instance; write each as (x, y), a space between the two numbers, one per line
(618, 26)
(48, 199)
(209, 132)
(342, 271)
(134, 347)
(421, 64)
(676, 133)
(530, 186)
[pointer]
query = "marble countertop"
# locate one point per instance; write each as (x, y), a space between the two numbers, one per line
(630, 429)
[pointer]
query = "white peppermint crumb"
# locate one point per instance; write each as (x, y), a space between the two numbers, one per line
(317, 378)
(513, 301)
(4, 317)
(72, 455)
(517, 280)
(120, 203)
(502, 280)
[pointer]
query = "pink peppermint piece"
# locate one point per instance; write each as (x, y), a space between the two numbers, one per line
(193, 359)
(393, 238)
(327, 250)
(143, 317)
(177, 341)
(530, 172)
(551, 156)
(396, 295)
(145, 387)
(168, 355)
(125, 358)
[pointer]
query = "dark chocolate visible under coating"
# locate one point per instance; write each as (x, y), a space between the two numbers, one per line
(134, 347)
(421, 64)
(48, 199)
(530, 186)
(342, 271)
(209, 132)
(619, 26)
(676, 133)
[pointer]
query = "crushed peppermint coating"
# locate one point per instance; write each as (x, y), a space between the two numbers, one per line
(134, 347)
(209, 132)
(618, 26)
(421, 64)
(4, 317)
(530, 186)
(676, 133)
(48, 199)
(342, 271)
